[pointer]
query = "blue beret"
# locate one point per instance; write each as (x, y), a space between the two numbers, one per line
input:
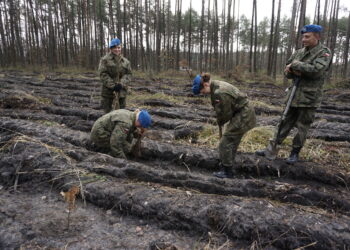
(311, 28)
(145, 119)
(114, 42)
(196, 85)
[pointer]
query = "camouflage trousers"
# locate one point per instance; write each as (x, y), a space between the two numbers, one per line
(100, 138)
(239, 124)
(106, 103)
(301, 118)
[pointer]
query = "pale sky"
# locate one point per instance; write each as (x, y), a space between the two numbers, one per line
(263, 6)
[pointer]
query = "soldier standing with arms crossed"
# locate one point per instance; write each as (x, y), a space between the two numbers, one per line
(308, 66)
(115, 74)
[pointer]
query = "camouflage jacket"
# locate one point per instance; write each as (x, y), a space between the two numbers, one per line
(227, 100)
(117, 130)
(113, 69)
(312, 64)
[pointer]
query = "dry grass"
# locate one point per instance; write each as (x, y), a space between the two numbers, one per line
(138, 97)
(48, 123)
(260, 104)
(325, 153)
(209, 136)
(23, 100)
(21, 138)
(256, 138)
(335, 154)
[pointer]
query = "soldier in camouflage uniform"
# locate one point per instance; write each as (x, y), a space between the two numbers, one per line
(231, 107)
(114, 132)
(115, 74)
(309, 64)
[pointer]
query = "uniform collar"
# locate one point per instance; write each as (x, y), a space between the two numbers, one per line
(314, 49)
(114, 56)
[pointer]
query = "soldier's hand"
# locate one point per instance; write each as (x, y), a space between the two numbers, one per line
(288, 69)
(297, 73)
(117, 87)
(139, 132)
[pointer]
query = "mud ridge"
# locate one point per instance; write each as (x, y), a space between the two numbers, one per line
(277, 225)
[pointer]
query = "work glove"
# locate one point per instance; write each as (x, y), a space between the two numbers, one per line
(117, 87)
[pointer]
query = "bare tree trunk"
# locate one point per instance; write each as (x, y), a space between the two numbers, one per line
(269, 52)
(12, 14)
(130, 40)
(324, 22)
(34, 24)
(334, 30)
(111, 20)
(255, 38)
(228, 30)
(102, 36)
(222, 38)
(169, 34)
(72, 34)
(238, 43)
(148, 48)
(189, 37)
(232, 36)
(142, 48)
(346, 50)
(178, 13)
(137, 62)
(201, 36)
(3, 44)
(119, 21)
(275, 44)
(216, 35)
(251, 39)
(97, 33)
(208, 39)
(330, 21)
(317, 12)
(125, 21)
(64, 18)
(291, 34)
(301, 23)
(51, 48)
(158, 35)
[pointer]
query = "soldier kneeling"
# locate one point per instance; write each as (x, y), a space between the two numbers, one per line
(114, 132)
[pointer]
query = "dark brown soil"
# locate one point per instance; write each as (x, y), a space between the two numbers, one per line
(167, 198)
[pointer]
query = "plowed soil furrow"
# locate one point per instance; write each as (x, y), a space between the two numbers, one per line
(168, 197)
(175, 209)
(204, 213)
(191, 158)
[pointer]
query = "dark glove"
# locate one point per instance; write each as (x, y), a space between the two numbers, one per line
(117, 87)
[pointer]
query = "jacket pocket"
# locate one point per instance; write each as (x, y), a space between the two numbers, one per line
(309, 96)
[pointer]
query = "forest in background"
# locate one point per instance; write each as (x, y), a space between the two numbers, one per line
(58, 33)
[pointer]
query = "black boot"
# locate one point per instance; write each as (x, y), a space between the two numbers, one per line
(294, 155)
(260, 152)
(270, 152)
(225, 172)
